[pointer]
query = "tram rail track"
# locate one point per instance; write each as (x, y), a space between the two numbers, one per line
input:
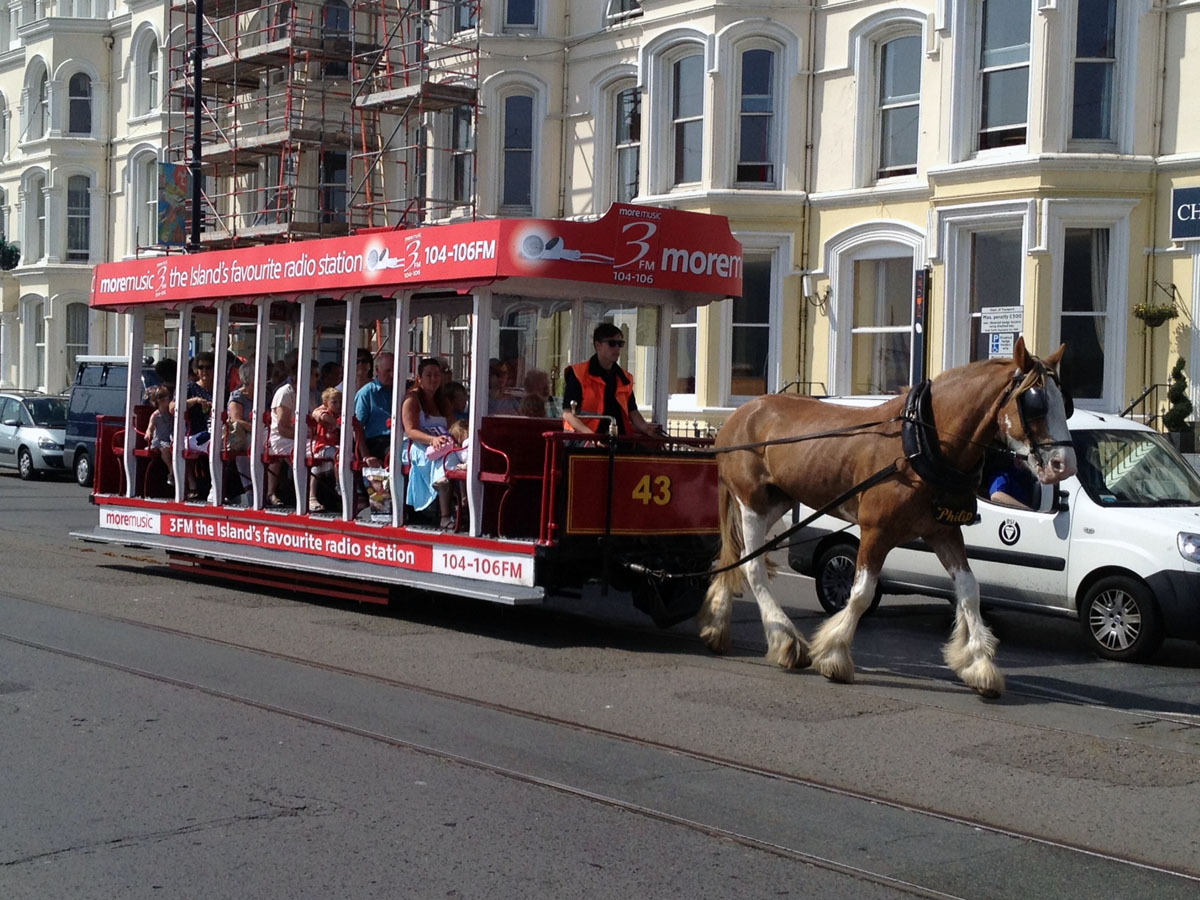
(724, 763)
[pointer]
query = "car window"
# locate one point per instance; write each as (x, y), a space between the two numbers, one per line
(1134, 468)
(6, 411)
(47, 412)
(90, 375)
(117, 376)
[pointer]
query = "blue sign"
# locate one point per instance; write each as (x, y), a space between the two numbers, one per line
(1185, 214)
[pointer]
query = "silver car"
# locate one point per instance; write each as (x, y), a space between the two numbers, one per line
(32, 429)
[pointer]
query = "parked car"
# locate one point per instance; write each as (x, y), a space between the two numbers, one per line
(32, 431)
(99, 390)
(1116, 546)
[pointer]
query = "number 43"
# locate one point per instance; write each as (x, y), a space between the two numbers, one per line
(660, 493)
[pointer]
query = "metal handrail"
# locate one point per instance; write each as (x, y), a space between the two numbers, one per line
(1147, 400)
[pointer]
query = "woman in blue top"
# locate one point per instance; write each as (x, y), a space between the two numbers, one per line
(426, 415)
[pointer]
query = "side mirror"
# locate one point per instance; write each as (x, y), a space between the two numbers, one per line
(11, 423)
(1061, 499)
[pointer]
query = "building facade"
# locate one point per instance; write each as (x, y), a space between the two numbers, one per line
(914, 183)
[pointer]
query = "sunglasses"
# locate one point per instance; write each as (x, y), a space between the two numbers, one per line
(614, 342)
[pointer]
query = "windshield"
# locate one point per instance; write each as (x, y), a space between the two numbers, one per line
(47, 412)
(1134, 468)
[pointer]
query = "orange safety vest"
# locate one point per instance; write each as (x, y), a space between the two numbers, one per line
(593, 395)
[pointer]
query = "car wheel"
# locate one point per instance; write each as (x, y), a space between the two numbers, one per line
(83, 469)
(1120, 619)
(834, 573)
(25, 464)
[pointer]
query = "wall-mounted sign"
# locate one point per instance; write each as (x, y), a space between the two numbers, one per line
(993, 319)
(1000, 345)
(1185, 214)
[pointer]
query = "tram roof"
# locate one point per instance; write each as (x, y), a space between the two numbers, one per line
(637, 254)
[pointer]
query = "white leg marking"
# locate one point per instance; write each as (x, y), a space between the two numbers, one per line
(831, 644)
(786, 647)
(972, 646)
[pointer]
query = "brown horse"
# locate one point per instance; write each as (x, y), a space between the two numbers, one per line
(1017, 402)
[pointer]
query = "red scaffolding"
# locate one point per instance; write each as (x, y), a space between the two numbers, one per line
(321, 118)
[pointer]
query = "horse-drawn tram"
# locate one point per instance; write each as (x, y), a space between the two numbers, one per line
(239, 492)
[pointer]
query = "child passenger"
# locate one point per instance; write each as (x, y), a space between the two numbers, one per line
(324, 442)
(462, 439)
(161, 428)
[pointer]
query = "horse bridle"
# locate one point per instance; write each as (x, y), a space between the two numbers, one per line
(1033, 404)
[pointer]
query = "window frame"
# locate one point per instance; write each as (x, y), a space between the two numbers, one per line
(869, 240)
(1115, 215)
(37, 118)
(615, 15)
(955, 226)
(73, 215)
(73, 350)
(981, 74)
(880, 107)
(508, 153)
(624, 147)
(508, 26)
(84, 102)
(777, 249)
(774, 143)
(675, 121)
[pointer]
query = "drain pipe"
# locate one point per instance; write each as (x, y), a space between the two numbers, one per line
(806, 181)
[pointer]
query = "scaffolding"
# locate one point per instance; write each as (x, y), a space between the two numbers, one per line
(324, 117)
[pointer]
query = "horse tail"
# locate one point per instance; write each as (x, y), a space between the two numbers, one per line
(732, 543)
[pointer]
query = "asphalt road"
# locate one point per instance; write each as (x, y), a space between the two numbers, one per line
(168, 738)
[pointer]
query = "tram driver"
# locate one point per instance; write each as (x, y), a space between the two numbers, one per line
(601, 387)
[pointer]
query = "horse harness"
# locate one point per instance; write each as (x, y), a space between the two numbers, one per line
(955, 491)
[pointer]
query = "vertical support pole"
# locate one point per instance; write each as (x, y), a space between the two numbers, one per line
(258, 431)
(182, 348)
(399, 375)
(303, 402)
(662, 372)
(481, 337)
(135, 342)
(349, 389)
(216, 428)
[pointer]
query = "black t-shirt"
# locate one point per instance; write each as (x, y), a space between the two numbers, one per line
(573, 391)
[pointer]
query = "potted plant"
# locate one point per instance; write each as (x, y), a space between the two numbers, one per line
(1154, 314)
(1182, 435)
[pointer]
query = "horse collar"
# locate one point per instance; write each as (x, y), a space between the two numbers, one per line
(919, 435)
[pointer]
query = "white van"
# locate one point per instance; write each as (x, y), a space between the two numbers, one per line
(1117, 545)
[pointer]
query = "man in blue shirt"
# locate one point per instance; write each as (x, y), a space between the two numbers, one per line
(1013, 487)
(373, 407)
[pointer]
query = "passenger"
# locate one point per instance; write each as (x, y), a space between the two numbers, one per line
(373, 408)
(324, 443)
(500, 401)
(426, 426)
(364, 367)
(240, 413)
(600, 387)
(282, 437)
(461, 432)
(1014, 486)
(314, 387)
(160, 430)
(459, 399)
(167, 370)
(537, 401)
(331, 374)
(199, 403)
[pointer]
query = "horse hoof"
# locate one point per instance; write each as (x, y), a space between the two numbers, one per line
(716, 639)
(790, 654)
(837, 668)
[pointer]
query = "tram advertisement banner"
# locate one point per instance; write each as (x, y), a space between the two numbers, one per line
(503, 568)
(650, 495)
(632, 246)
